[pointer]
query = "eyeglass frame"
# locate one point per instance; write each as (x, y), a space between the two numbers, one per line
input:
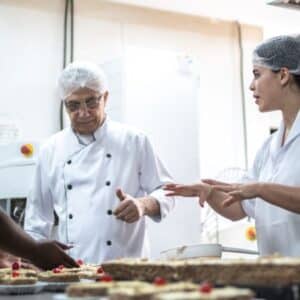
(82, 103)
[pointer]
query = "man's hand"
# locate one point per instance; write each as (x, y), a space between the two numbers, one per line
(130, 209)
(50, 254)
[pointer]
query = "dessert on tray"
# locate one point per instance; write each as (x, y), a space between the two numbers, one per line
(264, 271)
(17, 275)
(62, 274)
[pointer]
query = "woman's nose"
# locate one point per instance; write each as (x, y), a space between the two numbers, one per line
(251, 86)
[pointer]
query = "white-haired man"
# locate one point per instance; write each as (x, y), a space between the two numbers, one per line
(100, 177)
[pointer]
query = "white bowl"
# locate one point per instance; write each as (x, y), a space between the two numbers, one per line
(193, 251)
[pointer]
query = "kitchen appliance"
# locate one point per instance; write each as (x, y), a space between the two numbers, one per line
(17, 165)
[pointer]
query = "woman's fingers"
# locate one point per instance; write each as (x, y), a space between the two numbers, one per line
(172, 194)
(170, 186)
(228, 201)
(201, 201)
(214, 182)
(224, 188)
(232, 198)
(173, 187)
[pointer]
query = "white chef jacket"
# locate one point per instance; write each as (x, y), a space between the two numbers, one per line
(79, 183)
(278, 230)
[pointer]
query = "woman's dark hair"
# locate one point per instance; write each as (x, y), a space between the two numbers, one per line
(296, 78)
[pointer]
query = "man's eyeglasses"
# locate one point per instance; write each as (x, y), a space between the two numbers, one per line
(89, 103)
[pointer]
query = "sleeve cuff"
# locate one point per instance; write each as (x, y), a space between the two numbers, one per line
(166, 204)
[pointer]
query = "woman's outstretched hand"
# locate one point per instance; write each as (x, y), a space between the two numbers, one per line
(200, 190)
(237, 192)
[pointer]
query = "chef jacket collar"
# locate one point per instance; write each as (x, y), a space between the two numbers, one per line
(72, 143)
(101, 131)
(295, 130)
(98, 135)
(277, 140)
(85, 139)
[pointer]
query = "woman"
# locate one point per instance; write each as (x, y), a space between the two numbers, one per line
(273, 198)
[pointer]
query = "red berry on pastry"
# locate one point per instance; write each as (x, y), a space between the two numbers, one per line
(100, 270)
(106, 278)
(15, 266)
(80, 262)
(159, 281)
(56, 270)
(205, 287)
(15, 274)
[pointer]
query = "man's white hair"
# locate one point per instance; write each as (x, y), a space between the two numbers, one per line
(79, 75)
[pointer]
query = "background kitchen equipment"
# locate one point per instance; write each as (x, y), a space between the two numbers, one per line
(17, 166)
(217, 229)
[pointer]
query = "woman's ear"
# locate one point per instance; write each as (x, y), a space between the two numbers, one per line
(285, 76)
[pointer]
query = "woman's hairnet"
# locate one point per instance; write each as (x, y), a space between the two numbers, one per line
(278, 52)
(81, 74)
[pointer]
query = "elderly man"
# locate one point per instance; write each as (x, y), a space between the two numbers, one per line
(100, 177)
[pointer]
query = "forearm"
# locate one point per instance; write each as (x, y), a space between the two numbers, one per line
(233, 212)
(287, 197)
(13, 239)
(150, 206)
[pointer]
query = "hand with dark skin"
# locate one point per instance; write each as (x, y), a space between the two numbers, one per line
(44, 254)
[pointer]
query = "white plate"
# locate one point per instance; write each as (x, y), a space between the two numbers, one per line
(21, 289)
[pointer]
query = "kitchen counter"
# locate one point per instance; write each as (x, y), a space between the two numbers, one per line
(44, 296)
(41, 296)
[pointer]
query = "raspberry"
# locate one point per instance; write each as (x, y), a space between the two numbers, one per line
(15, 274)
(15, 266)
(100, 270)
(106, 278)
(159, 281)
(56, 270)
(80, 262)
(205, 287)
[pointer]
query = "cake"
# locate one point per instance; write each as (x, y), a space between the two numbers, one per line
(227, 293)
(62, 274)
(55, 276)
(84, 289)
(16, 278)
(152, 293)
(17, 275)
(265, 271)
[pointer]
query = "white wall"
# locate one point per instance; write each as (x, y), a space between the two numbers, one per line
(31, 61)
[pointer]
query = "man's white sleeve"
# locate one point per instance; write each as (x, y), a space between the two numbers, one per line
(153, 175)
(39, 214)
